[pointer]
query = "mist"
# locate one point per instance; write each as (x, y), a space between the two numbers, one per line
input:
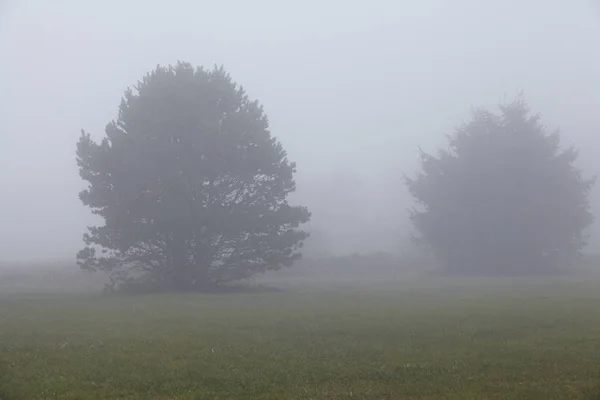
(352, 90)
(406, 120)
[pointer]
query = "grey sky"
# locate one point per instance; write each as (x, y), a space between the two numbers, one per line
(352, 88)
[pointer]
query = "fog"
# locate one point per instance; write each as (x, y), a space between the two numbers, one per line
(352, 89)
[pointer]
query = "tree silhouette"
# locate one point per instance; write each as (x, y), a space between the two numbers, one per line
(190, 184)
(503, 198)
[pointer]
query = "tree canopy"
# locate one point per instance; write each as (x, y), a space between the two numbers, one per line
(503, 198)
(190, 184)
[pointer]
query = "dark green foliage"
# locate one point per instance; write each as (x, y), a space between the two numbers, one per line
(503, 198)
(191, 186)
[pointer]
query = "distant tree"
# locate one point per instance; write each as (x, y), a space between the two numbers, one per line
(503, 198)
(191, 186)
(318, 245)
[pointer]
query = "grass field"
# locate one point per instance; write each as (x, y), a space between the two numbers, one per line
(485, 339)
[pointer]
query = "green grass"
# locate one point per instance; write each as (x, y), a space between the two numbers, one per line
(492, 339)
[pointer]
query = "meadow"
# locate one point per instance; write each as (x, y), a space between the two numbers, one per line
(424, 339)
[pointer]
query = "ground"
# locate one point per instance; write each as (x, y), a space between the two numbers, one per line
(432, 339)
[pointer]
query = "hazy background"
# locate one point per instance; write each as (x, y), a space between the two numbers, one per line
(352, 89)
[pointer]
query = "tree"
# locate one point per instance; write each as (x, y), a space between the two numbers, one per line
(503, 198)
(190, 184)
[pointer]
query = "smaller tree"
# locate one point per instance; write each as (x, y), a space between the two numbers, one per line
(503, 198)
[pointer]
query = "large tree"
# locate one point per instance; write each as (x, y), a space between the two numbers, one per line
(190, 184)
(503, 198)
